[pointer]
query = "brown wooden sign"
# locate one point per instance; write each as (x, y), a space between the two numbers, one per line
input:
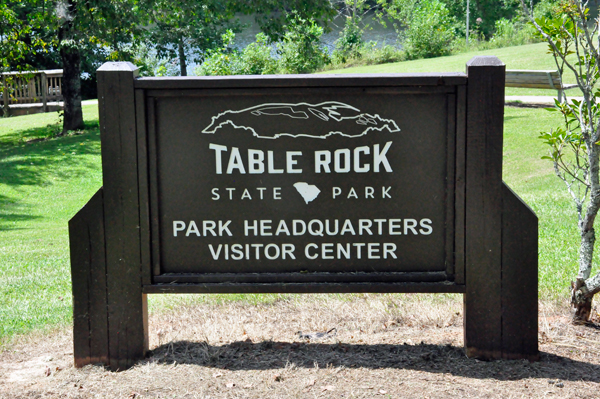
(352, 183)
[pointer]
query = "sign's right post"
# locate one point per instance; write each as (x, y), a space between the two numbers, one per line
(501, 249)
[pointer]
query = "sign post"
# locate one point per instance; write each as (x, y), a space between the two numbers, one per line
(316, 183)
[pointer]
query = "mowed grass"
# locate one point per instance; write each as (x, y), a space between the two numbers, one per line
(530, 57)
(533, 179)
(44, 183)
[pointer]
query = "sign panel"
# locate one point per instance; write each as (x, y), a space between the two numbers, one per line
(298, 184)
(303, 180)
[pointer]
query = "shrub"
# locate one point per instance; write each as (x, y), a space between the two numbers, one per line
(429, 33)
(221, 61)
(513, 33)
(350, 44)
(257, 58)
(301, 50)
(373, 55)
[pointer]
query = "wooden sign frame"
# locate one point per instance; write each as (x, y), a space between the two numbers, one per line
(490, 239)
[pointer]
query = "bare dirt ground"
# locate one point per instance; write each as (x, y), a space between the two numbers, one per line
(383, 346)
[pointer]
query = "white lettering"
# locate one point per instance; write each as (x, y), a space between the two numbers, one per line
(357, 152)
(218, 149)
(246, 194)
(178, 225)
(426, 224)
(282, 228)
(337, 165)
(256, 162)
(208, 225)
(409, 224)
(306, 251)
(393, 225)
(291, 161)
(192, 228)
(381, 158)
(336, 191)
(265, 228)
(247, 227)
(271, 163)
(322, 160)
(389, 249)
(235, 162)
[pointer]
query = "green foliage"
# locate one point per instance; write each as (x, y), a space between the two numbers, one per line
(373, 55)
(429, 31)
(574, 147)
(368, 54)
(255, 59)
(151, 64)
(221, 61)
(350, 42)
(425, 27)
(20, 26)
(300, 50)
(546, 9)
(513, 33)
(274, 18)
(179, 27)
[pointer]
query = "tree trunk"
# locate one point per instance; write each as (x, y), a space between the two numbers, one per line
(71, 83)
(182, 59)
(581, 295)
(71, 87)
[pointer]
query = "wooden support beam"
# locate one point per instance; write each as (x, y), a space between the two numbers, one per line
(519, 278)
(88, 277)
(483, 250)
(127, 307)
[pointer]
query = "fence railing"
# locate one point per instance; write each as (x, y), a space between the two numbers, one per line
(31, 87)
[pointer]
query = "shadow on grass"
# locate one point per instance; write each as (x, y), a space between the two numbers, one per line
(508, 118)
(9, 217)
(423, 357)
(33, 163)
(25, 135)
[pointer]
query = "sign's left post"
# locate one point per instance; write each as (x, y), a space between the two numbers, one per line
(110, 310)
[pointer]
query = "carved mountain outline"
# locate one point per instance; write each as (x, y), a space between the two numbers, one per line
(326, 112)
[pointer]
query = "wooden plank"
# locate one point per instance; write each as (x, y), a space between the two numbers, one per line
(532, 86)
(300, 91)
(45, 91)
(5, 96)
(88, 277)
(298, 288)
(485, 112)
(450, 183)
(263, 278)
(535, 79)
(142, 152)
(126, 304)
(152, 153)
(271, 81)
(459, 187)
(519, 279)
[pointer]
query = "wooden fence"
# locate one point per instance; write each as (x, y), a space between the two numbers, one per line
(39, 87)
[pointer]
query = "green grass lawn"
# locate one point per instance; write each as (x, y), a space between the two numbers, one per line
(530, 56)
(44, 183)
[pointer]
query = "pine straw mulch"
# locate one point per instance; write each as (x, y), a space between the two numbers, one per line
(383, 346)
